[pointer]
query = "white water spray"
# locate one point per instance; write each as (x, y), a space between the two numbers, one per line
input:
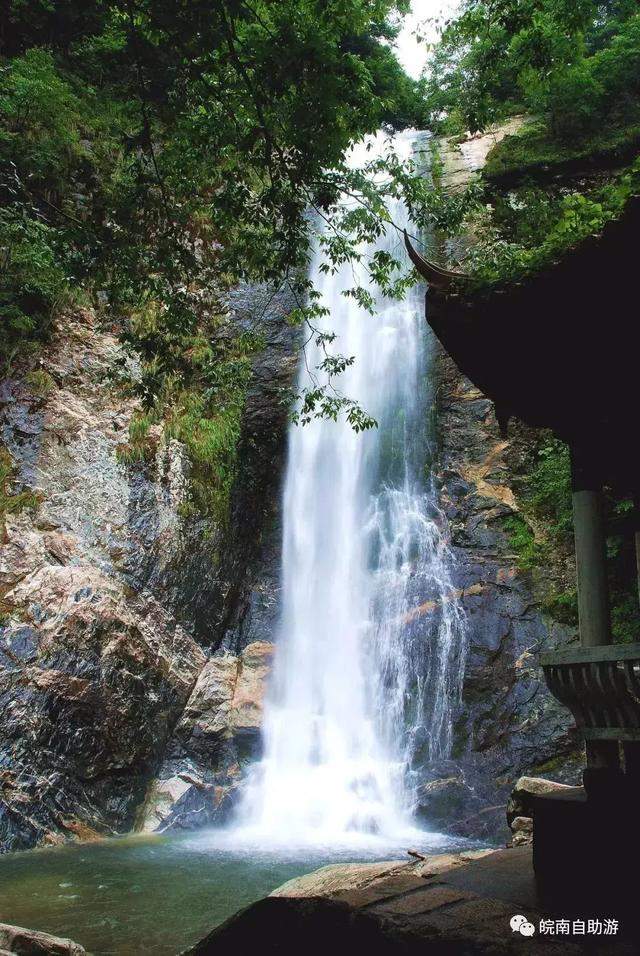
(370, 651)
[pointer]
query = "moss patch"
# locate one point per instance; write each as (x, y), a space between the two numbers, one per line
(542, 537)
(193, 386)
(535, 153)
(210, 432)
(529, 553)
(40, 383)
(10, 502)
(562, 606)
(527, 230)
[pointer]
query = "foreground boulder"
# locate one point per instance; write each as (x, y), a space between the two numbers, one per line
(339, 877)
(92, 682)
(520, 805)
(29, 942)
(446, 905)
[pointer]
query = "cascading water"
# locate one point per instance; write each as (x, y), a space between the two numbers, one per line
(370, 651)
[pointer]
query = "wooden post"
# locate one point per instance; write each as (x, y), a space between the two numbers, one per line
(603, 756)
(631, 749)
(591, 568)
(636, 535)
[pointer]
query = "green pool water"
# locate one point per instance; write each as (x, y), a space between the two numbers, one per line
(154, 894)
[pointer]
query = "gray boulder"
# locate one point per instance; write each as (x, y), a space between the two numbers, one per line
(29, 942)
(520, 801)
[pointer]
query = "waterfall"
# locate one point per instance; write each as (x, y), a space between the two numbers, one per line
(370, 650)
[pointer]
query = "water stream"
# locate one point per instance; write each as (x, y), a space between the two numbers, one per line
(370, 652)
(137, 895)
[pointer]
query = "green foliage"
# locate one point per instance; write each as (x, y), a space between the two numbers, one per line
(42, 121)
(563, 606)
(193, 385)
(139, 428)
(210, 435)
(528, 551)
(10, 501)
(599, 89)
(576, 67)
(547, 500)
(624, 616)
(494, 58)
(33, 279)
(154, 148)
(154, 154)
(55, 157)
(576, 62)
(452, 124)
(542, 226)
(140, 447)
(546, 503)
(206, 416)
(535, 154)
(623, 585)
(40, 382)
(550, 486)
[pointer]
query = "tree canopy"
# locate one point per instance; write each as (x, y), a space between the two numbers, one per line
(151, 144)
(576, 60)
(155, 153)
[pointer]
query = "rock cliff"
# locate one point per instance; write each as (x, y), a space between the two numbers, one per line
(115, 608)
(509, 723)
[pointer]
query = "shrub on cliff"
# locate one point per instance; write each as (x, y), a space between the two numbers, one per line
(573, 63)
(156, 153)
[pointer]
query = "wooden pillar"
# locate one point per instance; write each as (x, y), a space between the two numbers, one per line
(591, 555)
(631, 749)
(603, 756)
(636, 535)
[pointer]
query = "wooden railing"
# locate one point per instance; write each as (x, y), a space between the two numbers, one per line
(601, 688)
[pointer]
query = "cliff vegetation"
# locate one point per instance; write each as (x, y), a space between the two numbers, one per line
(571, 71)
(153, 157)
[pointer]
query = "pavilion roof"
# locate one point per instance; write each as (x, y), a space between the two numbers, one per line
(560, 349)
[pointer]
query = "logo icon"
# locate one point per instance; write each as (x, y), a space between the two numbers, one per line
(520, 924)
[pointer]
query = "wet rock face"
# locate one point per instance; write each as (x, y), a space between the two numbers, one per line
(94, 510)
(219, 731)
(95, 669)
(92, 681)
(112, 604)
(251, 561)
(509, 724)
(198, 781)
